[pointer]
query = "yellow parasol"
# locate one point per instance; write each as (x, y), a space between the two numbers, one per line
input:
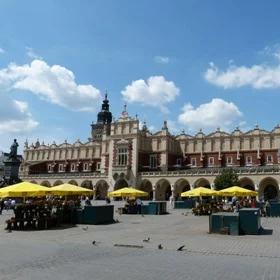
(237, 191)
(68, 189)
(200, 191)
(24, 189)
(127, 192)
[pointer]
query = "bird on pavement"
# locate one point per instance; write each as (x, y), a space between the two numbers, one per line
(160, 247)
(94, 242)
(85, 228)
(147, 239)
(181, 248)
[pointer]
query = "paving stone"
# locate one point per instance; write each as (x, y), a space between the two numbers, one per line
(69, 253)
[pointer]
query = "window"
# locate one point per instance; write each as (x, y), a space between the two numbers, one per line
(98, 166)
(269, 159)
(153, 161)
(248, 160)
(193, 161)
(229, 160)
(179, 161)
(60, 167)
(85, 167)
(73, 167)
(50, 168)
(211, 161)
(122, 156)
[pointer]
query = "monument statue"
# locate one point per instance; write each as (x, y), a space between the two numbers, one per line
(13, 152)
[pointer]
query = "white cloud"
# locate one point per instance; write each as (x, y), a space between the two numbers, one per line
(15, 117)
(55, 84)
(31, 53)
(2, 50)
(156, 92)
(216, 113)
(161, 59)
(256, 76)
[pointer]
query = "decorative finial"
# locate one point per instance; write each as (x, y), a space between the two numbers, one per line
(165, 125)
(136, 117)
(200, 130)
(37, 144)
(183, 131)
(256, 126)
(26, 143)
(124, 107)
(144, 127)
(106, 94)
(218, 128)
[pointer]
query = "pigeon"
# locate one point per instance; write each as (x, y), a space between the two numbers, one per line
(146, 240)
(181, 248)
(85, 228)
(160, 247)
(93, 242)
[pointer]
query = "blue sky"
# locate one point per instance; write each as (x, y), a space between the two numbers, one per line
(196, 64)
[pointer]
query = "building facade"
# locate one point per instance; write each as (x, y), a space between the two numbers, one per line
(119, 153)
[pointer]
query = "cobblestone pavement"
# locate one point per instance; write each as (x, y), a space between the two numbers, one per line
(69, 253)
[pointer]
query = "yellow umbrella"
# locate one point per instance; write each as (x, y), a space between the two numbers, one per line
(237, 191)
(200, 191)
(68, 189)
(24, 189)
(127, 192)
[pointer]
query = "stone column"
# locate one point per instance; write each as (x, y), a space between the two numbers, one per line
(212, 185)
(172, 189)
(154, 192)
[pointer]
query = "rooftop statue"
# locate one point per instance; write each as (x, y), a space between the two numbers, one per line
(13, 152)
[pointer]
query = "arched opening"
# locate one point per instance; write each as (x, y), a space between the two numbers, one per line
(163, 190)
(247, 183)
(33, 182)
(121, 183)
(202, 182)
(87, 184)
(268, 189)
(101, 190)
(46, 184)
(182, 185)
(57, 183)
(146, 186)
(73, 182)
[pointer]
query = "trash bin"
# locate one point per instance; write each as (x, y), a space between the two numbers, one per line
(215, 222)
(249, 220)
(93, 215)
(224, 222)
(274, 209)
(234, 228)
(145, 209)
(157, 207)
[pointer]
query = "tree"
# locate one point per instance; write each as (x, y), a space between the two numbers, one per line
(226, 179)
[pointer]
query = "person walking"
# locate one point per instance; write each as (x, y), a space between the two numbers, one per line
(138, 205)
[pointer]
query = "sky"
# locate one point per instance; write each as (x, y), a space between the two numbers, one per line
(196, 64)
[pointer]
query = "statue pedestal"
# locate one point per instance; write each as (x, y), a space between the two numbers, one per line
(11, 168)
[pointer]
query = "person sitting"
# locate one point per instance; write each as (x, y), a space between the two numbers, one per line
(87, 202)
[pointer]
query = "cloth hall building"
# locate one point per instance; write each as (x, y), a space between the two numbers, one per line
(119, 153)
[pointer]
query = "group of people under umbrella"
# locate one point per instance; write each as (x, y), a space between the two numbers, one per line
(240, 197)
(40, 207)
(28, 190)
